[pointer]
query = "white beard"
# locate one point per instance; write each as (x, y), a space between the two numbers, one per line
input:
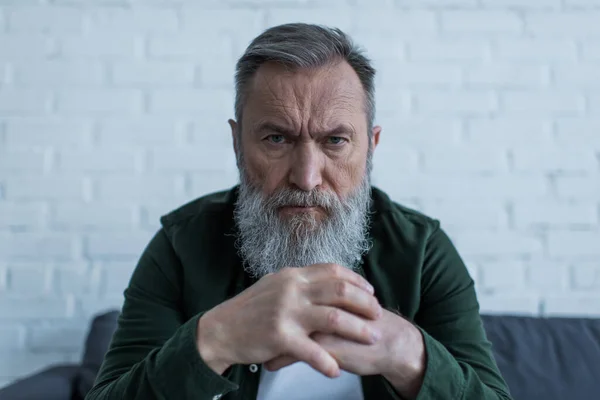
(268, 242)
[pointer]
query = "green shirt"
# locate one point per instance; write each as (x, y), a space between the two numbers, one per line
(191, 265)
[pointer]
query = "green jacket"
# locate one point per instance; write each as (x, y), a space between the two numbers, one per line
(191, 265)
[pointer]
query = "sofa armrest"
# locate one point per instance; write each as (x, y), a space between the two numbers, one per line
(55, 383)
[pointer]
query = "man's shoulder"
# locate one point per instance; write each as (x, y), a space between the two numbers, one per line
(389, 215)
(210, 205)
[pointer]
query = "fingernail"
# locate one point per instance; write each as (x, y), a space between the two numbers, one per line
(370, 288)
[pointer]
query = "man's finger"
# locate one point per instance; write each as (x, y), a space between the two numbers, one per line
(307, 350)
(317, 272)
(338, 322)
(342, 294)
(280, 362)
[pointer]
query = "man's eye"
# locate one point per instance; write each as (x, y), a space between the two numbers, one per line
(277, 139)
(335, 140)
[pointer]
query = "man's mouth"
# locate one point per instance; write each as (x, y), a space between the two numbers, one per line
(292, 209)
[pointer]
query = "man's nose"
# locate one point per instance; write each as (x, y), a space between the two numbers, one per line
(306, 168)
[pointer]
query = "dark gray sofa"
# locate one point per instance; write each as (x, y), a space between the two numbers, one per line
(540, 358)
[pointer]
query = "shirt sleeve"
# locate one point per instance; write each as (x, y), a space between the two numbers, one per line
(460, 362)
(153, 353)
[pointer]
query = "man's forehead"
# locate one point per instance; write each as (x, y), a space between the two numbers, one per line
(332, 81)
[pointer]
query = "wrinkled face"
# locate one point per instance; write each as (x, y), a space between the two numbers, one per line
(305, 130)
(304, 157)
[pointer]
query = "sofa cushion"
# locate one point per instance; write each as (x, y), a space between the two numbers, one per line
(96, 345)
(547, 358)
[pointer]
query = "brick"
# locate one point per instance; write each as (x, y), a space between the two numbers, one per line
(454, 187)
(535, 49)
(153, 73)
(194, 47)
(585, 276)
(217, 73)
(583, 76)
(507, 75)
(103, 160)
(553, 214)
(103, 45)
(52, 19)
(574, 243)
(502, 276)
(190, 101)
(88, 307)
(393, 101)
(514, 132)
(594, 104)
(47, 132)
(547, 277)
(468, 214)
(117, 245)
(572, 305)
(47, 187)
(136, 19)
(27, 279)
(564, 24)
(99, 101)
(199, 18)
(209, 182)
(20, 215)
(420, 132)
(62, 336)
(532, 4)
(380, 48)
(26, 101)
(455, 102)
(12, 308)
(151, 214)
(36, 246)
(465, 159)
(506, 243)
(144, 132)
(116, 276)
(447, 50)
(582, 3)
(578, 187)
(511, 304)
(92, 216)
(133, 188)
(58, 74)
(591, 49)
(437, 3)
(542, 103)
(19, 47)
(401, 22)
(23, 161)
(194, 159)
(404, 159)
(419, 74)
(12, 337)
(331, 17)
(475, 21)
(578, 132)
(76, 278)
(554, 159)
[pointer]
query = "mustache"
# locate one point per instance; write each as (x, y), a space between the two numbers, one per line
(287, 197)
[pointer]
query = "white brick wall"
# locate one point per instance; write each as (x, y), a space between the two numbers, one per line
(113, 112)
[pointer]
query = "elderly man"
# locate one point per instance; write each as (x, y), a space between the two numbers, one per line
(303, 282)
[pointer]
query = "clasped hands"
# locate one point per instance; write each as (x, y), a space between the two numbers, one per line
(325, 315)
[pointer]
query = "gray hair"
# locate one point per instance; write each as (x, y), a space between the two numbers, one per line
(300, 45)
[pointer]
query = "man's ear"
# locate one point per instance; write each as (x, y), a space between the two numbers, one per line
(375, 136)
(234, 134)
